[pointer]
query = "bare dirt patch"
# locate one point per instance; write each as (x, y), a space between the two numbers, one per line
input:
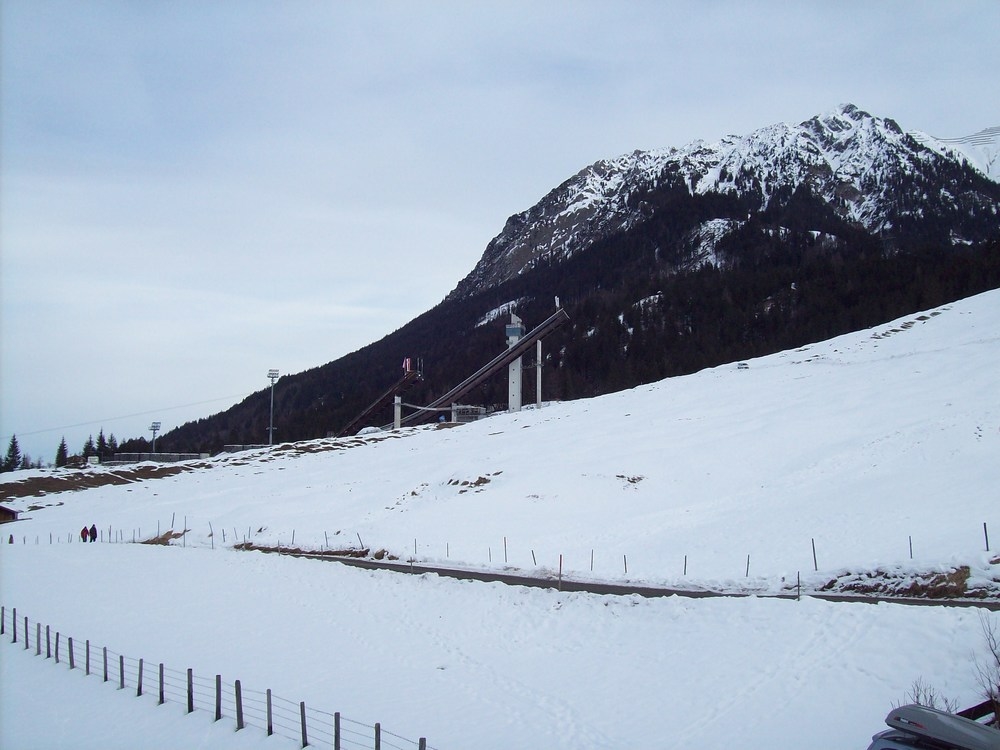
(164, 538)
(938, 585)
(251, 547)
(73, 480)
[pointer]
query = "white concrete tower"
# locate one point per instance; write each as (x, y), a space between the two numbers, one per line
(515, 330)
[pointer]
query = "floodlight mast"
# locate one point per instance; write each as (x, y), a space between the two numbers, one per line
(273, 375)
(155, 428)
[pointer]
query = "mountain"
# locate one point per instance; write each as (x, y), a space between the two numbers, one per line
(981, 150)
(673, 260)
(867, 173)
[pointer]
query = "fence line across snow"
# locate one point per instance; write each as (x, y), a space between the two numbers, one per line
(271, 713)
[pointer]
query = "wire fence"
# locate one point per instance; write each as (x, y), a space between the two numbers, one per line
(275, 715)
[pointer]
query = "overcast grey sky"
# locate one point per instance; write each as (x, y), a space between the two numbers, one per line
(192, 193)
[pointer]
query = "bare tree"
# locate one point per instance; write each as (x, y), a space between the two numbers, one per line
(927, 695)
(988, 665)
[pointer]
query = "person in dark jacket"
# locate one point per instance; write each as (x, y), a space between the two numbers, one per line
(93, 533)
(84, 534)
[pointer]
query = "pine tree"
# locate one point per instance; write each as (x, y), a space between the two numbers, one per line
(89, 449)
(62, 453)
(102, 445)
(112, 445)
(12, 460)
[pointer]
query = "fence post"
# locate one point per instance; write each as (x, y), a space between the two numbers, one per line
(270, 722)
(423, 743)
(38, 639)
(302, 715)
(71, 664)
(336, 730)
(138, 689)
(239, 707)
(378, 736)
(86, 670)
(25, 632)
(14, 621)
(815, 564)
(105, 651)
(218, 681)
(190, 679)
(121, 671)
(57, 647)
(161, 683)
(3, 620)
(48, 643)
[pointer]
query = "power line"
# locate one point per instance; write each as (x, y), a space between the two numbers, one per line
(130, 416)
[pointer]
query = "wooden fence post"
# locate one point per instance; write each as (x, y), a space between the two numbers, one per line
(14, 621)
(86, 670)
(38, 639)
(161, 683)
(378, 736)
(138, 689)
(25, 632)
(105, 652)
(57, 647)
(3, 620)
(423, 743)
(48, 643)
(239, 707)
(190, 676)
(121, 672)
(218, 680)
(270, 718)
(302, 716)
(70, 646)
(336, 730)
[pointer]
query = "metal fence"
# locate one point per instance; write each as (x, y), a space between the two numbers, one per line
(271, 713)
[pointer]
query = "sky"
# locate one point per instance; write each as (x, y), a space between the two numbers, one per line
(192, 194)
(867, 458)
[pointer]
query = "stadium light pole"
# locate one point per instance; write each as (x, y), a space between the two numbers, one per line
(273, 375)
(155, 427)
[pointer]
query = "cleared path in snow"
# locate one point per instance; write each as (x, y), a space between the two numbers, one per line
(624, 589)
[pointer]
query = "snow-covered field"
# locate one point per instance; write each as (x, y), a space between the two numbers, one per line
(863, 445)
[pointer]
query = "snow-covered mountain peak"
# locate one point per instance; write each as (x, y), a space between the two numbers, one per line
(866, 170)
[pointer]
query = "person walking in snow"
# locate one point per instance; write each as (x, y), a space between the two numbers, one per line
(84, 534)
(93, 533)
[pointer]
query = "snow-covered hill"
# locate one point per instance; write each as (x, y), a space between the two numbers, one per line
(865, 169)
(981, 149)
(869, 445)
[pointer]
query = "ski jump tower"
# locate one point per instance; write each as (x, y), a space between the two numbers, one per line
(515, 331)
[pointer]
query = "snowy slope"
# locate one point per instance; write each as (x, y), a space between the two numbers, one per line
(981, 149)
(864, 443)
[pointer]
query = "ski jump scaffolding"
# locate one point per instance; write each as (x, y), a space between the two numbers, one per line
(424, 413)
(489, 369)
